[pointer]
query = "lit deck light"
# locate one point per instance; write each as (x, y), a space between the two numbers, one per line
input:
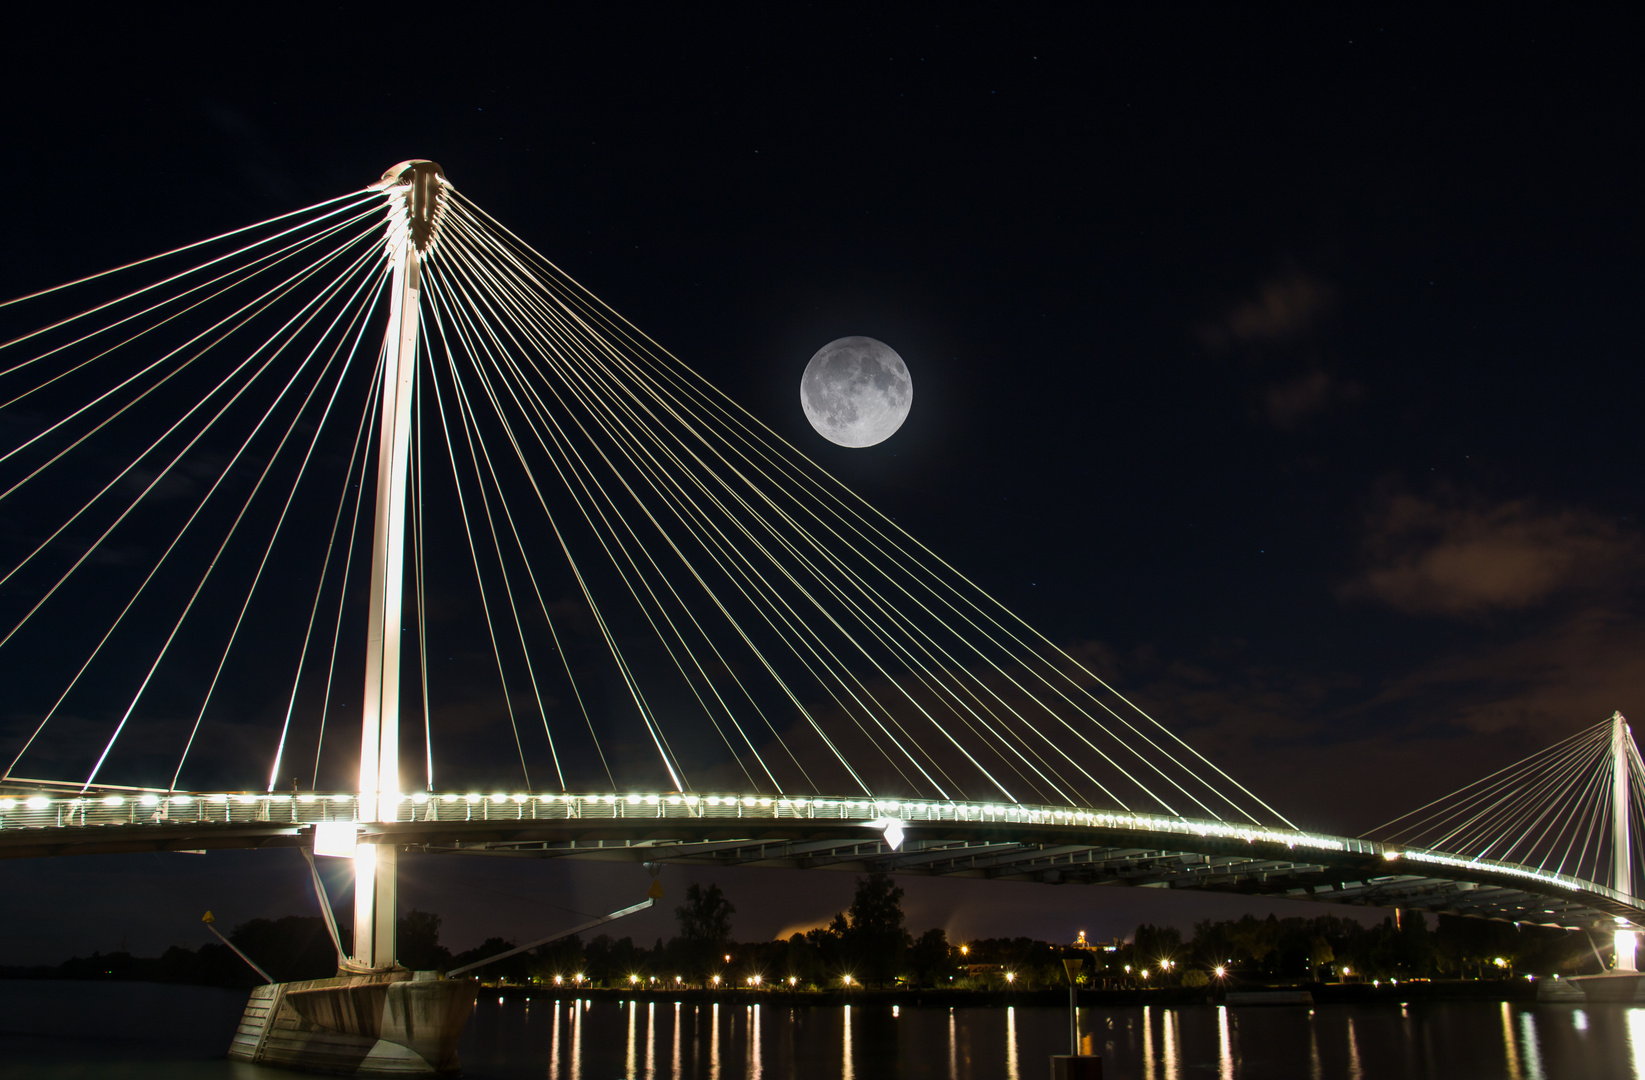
(150, 800)
(652, 800)
(113, 800)
(713, 800)
(499, 797)
(334, 798)
(472, 797)
(37, 802)
(691, 800)
(448, 798)
(519, 799)
(183, 799)
(1220, 971)
(609, 800)
(420, 798)
(633, 800)
(674, 800)
(7, 804)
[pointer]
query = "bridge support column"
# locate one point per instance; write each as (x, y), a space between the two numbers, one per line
(1626, 941)
(415, 191)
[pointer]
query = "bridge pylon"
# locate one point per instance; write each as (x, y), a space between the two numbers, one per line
(1623, 754)
(416, 193)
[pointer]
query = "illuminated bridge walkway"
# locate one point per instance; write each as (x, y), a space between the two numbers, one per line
(1053, 845)
(374, 498)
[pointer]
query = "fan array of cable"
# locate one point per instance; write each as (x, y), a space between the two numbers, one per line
(1554, 811)
(667, 594)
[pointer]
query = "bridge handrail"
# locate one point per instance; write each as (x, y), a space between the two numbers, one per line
(37, 810)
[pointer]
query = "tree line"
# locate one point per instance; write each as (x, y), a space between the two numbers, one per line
(868, 944)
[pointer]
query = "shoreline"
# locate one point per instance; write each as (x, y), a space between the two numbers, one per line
(1505, 990)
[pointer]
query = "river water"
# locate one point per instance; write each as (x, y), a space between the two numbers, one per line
(93, 1031)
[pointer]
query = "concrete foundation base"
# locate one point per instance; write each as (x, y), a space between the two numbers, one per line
(357, 1025)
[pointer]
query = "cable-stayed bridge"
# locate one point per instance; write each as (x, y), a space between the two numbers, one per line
(394, 528)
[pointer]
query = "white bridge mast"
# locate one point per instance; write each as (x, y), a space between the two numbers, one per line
(1622, 879)
(416, 202)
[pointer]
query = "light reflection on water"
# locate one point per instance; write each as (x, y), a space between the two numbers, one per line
(772, 1041)
(147, 1032)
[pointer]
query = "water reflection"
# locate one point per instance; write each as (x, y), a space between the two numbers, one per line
(1225, 1046)
(1147, 1044)
(767, 1040)
(1533, 1051)
(1011, 1043)
(1168, 1021)
(846, 1072)
(714, 1044)
(1636, 1039)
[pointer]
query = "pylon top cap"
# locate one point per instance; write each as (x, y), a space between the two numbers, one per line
(407, 171)
(421, 184)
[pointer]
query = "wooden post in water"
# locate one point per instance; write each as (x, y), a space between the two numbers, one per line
(1074, 1065)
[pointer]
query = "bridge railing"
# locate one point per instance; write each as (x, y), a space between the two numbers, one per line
(41, 810)
(38, 810)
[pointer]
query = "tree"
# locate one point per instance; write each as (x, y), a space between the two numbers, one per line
(932, 959)
(289, 948)
(418, 934)
(705, 927)
(1320, 953)
(876, 940)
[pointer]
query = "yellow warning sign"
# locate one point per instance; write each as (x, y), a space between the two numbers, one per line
(656, 890)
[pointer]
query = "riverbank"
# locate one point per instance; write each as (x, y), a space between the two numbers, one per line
(1512, 990)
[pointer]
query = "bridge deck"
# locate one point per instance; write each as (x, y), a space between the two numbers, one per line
(1056, 845)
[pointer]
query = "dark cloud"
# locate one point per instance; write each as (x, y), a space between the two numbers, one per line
(1287, 404)
(1447, 555)
(1284, 308)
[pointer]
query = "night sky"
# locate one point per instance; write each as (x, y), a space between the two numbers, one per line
(1287, 374)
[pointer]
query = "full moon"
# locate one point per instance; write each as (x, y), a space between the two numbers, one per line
(856, 391)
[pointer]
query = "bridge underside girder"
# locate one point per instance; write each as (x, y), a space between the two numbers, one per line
(1015, 852)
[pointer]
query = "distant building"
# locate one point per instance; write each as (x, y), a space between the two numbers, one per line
(1097, 946)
